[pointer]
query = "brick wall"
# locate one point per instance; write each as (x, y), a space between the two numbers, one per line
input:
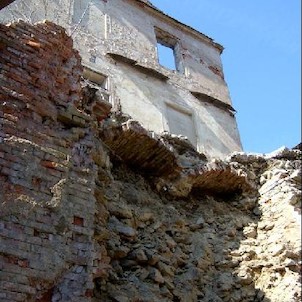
(47, 175)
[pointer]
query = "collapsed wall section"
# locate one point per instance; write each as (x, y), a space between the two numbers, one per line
(78, 225)
(52, 159)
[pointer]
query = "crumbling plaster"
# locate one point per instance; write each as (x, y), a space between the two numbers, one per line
(126, 29)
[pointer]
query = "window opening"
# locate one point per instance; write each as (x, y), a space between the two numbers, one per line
(166, 56)
(95, 78)
(166, 49)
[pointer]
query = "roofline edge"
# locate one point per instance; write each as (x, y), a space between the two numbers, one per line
(183, 25)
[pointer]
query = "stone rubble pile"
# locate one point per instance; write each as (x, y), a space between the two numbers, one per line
(97, 209)
(232, 248)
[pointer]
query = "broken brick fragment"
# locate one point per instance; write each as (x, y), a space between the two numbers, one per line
(78, 221)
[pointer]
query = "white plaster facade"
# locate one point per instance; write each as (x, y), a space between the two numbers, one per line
(118, 39)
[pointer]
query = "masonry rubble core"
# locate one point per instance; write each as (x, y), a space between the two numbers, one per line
(96, 207)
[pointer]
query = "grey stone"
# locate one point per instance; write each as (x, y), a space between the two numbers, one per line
(156, 276)
(119, 227)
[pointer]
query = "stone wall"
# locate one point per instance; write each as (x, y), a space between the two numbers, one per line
(243, 247)
(94, 207)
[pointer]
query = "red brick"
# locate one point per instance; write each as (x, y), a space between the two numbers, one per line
(48, 164)
(89, 293)
(34, 44)
(23, 263)
(78, 221)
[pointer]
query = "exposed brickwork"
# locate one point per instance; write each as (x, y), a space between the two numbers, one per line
(140, 148)
(160, 156)
(50, 160)
(78, 225)
(47, 174)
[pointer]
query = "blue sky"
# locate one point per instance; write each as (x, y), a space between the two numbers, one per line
(261, 60)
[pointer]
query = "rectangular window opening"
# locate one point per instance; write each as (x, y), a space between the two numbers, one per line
(166, 49)
(166, 56)
(95, 78)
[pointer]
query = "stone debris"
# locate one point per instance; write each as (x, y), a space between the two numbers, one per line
(96, 209)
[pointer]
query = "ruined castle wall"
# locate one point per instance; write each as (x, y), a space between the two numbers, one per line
(47, 175)
(196, 55)
(213, 135)
(94, 208)
(118, 39)
(32, 11)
